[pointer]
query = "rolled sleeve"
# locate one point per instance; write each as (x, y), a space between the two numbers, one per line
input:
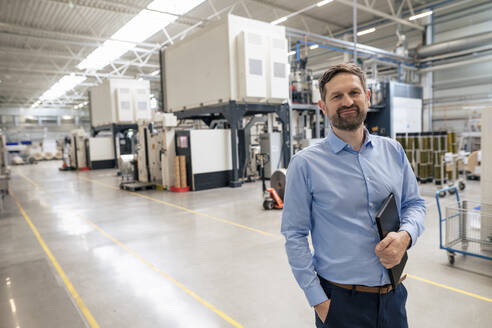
(413, 208)
(296, 225)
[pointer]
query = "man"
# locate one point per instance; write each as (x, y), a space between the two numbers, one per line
(334, 190)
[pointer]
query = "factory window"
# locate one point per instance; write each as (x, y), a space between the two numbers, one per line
(279, 70)
(255, 67)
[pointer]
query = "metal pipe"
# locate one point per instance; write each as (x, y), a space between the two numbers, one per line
(463, 82)
(355, 30)
(459, 53)
(455, 45)
(457, 64)
(346, 44)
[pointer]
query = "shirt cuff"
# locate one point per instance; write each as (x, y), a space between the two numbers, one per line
(411, 231)
(315, 294)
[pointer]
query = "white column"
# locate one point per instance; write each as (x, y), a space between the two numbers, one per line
(427, 80)
(486, 178)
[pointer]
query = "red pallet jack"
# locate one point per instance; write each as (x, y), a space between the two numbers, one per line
(271, 196)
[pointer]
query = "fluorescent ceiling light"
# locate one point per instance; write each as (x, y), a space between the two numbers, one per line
(280, 20)
(314, 46)
(369, 30)
(36, 104)
(424, 14)
(293, 52)
(66, 117)
(324, 2)
(141, 27)
(68, 82)
(154, 73)
(29, 118)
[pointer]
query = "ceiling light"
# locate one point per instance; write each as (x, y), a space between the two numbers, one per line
(31, 118)
(66, 117)
(324, 2)
(369, 30)
(424, 14)
(36, 104)
(154, 73)
(68, 82)
(141, 27)
(293, 52)
(280, 20)
(314, 46)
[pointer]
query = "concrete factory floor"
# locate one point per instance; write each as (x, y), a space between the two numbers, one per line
(104, 257)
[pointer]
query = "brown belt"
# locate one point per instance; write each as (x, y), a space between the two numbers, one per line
(378, 289)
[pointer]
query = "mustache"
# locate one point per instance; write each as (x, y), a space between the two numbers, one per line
(344, 108)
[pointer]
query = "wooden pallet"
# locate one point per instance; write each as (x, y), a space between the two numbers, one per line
(137, 186)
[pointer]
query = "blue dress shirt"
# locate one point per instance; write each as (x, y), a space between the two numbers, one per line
(334, 193)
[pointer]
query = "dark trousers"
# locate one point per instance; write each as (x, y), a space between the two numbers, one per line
(353, 309)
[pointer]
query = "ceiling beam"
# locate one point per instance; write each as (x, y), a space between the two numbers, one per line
(381, 14)
(13, 69)
(99, 5)
(60, 55)
(41, 111)
(63, 42)
(124, 9)
(289, 10)
(30, 31)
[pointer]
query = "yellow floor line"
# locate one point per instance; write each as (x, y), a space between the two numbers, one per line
(165, 275)
(450, 288)
(242, 226)
(85, 311)
(276, 236)
(28, 179)
(140, 258)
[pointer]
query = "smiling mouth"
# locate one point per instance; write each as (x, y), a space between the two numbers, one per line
(348, 111)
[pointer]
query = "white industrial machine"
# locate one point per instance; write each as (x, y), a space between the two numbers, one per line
(486, 180)
(120, 101)
(156, 152)
(304, 143)
(101, 153)
(78, 150)
(4, 170)
(208, 157)
(252, 65)
(271, 144)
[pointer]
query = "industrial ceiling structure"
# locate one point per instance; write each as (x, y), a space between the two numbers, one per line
(52, 51)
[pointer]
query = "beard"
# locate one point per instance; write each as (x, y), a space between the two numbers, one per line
(348, 123)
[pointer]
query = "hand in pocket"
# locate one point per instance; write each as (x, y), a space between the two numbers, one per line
(322, 310)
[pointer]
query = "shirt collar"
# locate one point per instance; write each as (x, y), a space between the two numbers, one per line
(337, 144)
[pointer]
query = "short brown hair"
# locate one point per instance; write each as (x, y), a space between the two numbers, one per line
(337, 69)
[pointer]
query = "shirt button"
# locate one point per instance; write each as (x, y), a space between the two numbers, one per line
(371, 204)
(368, 179)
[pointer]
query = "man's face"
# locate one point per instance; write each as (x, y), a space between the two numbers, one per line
(345, 102)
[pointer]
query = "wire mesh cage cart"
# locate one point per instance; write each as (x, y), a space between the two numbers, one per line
(465, 227)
